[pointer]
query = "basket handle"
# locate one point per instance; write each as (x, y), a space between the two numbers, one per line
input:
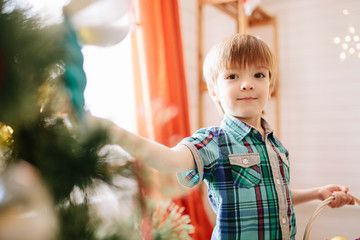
(317, 212)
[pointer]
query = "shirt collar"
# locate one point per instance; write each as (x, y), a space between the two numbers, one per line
(240, 129)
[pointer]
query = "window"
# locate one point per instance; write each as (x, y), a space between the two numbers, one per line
(110, 87)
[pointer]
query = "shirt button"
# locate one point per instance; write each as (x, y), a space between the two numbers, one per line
(245, 161)
(278, 181)
(283, 220)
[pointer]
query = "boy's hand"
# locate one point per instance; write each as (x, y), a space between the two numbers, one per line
(339, 192)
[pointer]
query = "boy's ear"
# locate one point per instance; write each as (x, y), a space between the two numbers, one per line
(272, 92)
(216, 99)
(213, 94)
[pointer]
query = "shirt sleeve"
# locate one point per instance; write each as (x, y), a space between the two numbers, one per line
(204, 148)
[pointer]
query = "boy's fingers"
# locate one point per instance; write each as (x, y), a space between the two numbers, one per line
(341, 199)
(344, 188)
(340, 188)
(336, 202)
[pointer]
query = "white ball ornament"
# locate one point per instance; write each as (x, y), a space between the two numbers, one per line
(101, 22)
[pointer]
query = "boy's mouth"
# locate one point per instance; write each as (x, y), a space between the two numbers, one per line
(246, 98)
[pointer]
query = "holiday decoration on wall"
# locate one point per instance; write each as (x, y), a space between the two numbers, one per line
(55, 163)
(350, 43)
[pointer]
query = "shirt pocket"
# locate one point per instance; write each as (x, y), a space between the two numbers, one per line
(285, 166)
(245, 169)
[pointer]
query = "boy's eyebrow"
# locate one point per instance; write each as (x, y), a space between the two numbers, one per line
(262, 68)
(265, 68)
(231, 69)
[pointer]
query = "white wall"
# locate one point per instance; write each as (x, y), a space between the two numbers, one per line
(320, 107)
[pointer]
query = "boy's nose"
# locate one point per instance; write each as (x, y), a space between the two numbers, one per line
(246, 86)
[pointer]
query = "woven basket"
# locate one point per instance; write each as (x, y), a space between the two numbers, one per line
(317, 212)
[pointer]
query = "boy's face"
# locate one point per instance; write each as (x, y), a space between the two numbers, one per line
(243, 92)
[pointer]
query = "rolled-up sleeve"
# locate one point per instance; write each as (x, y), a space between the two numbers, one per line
(204, 148)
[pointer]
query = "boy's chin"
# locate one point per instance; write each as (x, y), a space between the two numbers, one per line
(246, 115)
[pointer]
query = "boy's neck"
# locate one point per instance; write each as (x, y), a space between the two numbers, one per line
(254, 122)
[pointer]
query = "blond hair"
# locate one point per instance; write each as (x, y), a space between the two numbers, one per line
(239, 50)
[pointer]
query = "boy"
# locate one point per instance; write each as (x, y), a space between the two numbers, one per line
(245, 167)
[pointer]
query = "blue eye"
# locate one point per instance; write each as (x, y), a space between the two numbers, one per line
(259, 75)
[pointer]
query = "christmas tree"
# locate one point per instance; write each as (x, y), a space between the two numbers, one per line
(46, 134)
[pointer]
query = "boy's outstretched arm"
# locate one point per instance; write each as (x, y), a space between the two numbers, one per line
(153, 154)
(321, 193)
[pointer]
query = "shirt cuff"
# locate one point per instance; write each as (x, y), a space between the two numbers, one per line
(192, 178)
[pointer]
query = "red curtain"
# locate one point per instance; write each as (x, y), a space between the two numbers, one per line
(161, 95)
(160, 76)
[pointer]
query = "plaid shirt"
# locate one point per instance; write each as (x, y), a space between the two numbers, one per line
(248, 180)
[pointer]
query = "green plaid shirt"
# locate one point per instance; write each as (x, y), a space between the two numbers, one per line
(248, 180)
